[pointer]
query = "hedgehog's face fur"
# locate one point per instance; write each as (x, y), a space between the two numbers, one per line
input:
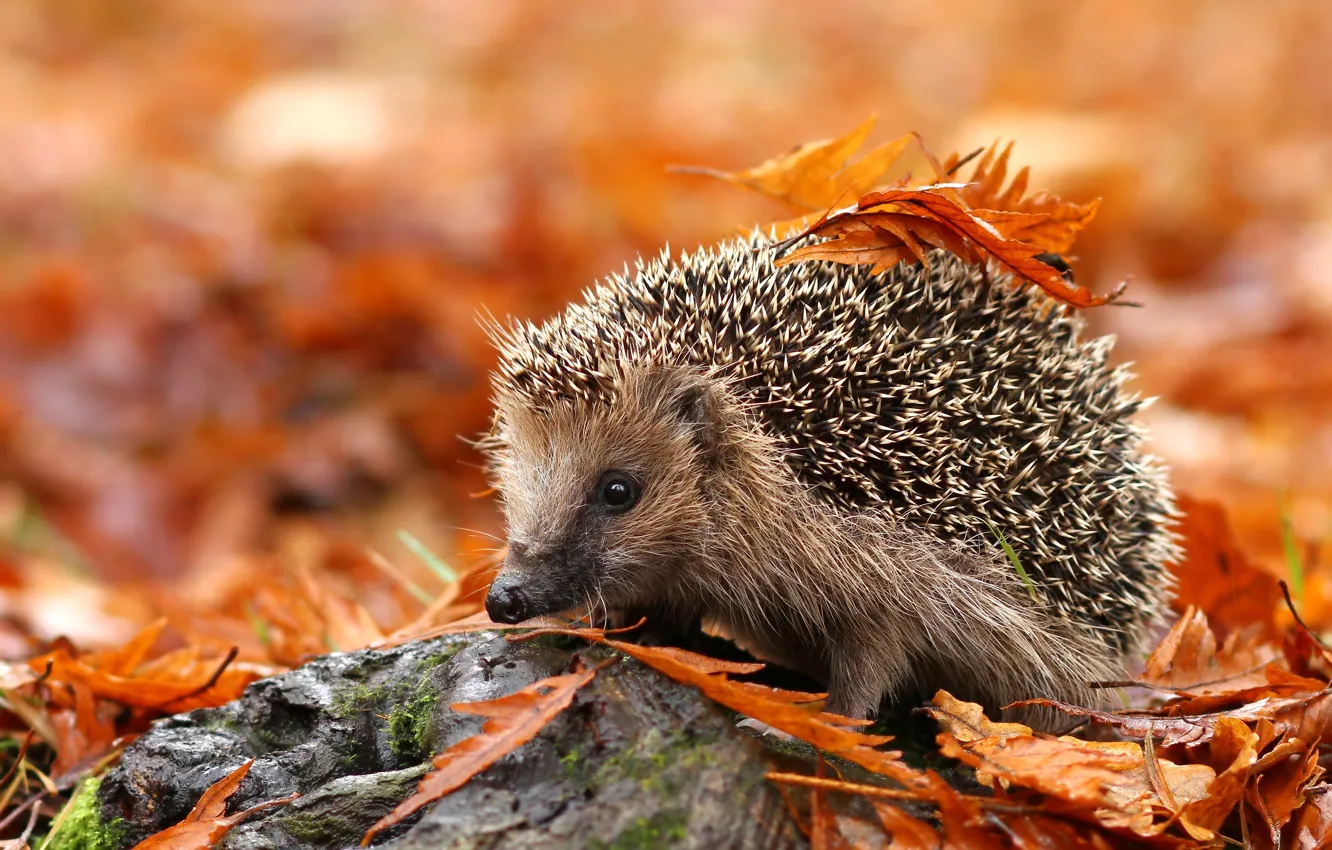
(605, 497)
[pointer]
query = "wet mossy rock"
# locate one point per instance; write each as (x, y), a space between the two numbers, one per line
(637, 761)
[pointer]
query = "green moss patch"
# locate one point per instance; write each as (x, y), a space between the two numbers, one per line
(80, 826)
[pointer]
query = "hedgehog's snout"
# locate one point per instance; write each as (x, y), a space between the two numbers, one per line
(506, 602)
(535, 581)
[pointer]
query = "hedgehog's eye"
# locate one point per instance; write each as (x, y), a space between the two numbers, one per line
(617, 492)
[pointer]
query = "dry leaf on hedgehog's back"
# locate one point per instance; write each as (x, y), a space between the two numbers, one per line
(977, 220)
(1047, 221)
(887, 227)
(816, 175)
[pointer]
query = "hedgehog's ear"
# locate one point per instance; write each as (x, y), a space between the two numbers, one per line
(698, 407)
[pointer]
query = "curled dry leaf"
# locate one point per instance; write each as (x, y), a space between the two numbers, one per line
(1046, 220)
(888, 227)
(1117, 784)
(179, 680)
(1077, 772)
(1235, 745)
(1283, 776)
(966, 721)
(511, 721)
(1188, 660)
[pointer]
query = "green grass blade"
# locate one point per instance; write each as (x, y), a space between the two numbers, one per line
(1013, 558)
(430, 559)
(1291, 548)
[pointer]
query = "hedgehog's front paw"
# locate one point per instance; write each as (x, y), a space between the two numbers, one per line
(762, 730)
(608, 620)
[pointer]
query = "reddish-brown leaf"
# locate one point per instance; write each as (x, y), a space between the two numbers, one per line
(84, 735)
(207, 822)
(511, 722)
(1311, 825)
(930, 216)
(907, 832)
(1188, 660)
(1233, 752)
(1307, 716)
(964, 822)
(213, 803)
(783, 710)
(1216, 577)
(1046, 221)
(1278, 788)
(1037, 832)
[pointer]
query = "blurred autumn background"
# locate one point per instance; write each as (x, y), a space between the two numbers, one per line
(244, 245)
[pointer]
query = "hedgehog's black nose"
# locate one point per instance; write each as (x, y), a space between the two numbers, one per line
(506, 602)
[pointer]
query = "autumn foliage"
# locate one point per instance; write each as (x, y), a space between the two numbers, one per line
(1226, 742)
(230, 374)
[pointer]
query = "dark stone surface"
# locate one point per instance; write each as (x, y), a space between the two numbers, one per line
(637, 761)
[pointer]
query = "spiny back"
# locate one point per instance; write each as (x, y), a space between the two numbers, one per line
(922, 391)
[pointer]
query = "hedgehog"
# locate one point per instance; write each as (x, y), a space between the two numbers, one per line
(820, 462)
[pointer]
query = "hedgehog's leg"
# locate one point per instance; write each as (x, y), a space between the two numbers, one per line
(665, 627)
(861, 672)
